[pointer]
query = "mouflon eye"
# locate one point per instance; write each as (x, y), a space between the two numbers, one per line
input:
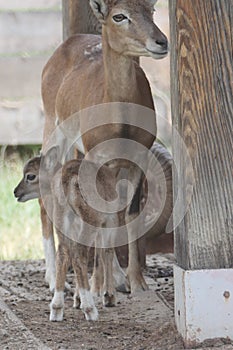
(30, 177)
(119, 18)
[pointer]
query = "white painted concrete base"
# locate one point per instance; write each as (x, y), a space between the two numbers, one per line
(203, 304)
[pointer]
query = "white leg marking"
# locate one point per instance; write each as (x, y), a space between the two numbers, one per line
(49, 251)
(88, 305)
(57, 307)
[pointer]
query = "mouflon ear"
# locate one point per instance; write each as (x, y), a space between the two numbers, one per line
(50, 159)
(99, 8)
(152, 2)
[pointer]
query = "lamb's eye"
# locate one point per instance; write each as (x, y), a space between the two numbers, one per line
(119, 18)
(30, 177)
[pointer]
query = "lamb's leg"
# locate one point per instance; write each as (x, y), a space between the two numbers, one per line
(108, 288)
(49, 247)
(134, 273)
(79, 262)
(62, 264)
(97, 278)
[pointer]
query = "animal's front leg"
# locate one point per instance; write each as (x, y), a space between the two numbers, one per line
(57, 304)
(49, 247)
(134, 272)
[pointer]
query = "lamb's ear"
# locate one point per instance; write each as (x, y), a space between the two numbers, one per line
(50, 159)
(152, 2)
(100, 9)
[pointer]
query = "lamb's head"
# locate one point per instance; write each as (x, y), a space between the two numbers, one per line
(37, 173)
(28, 188)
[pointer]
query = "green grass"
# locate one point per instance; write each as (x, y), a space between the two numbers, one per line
(20, 228)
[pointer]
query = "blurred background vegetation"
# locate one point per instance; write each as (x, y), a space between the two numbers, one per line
(20, 228)
(29, 32)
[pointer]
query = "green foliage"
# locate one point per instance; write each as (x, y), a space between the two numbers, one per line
(20, 228)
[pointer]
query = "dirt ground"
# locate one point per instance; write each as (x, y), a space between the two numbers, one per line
(142, 322)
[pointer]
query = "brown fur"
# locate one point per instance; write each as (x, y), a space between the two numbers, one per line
(80, 75)
(66, 201)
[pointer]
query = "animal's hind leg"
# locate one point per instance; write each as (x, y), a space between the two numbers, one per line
(134, 272)
(120, 277)
(97, 278)
(108, 288)
(62, 264)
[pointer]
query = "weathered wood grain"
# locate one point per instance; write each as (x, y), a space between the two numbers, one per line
(202, 108)
(78, 18)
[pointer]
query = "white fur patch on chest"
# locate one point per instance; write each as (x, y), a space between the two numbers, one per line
(91, 51)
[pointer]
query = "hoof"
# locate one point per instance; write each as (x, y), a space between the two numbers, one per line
(109, 300)
(137, 282)
(123, 288)
(57, 307)
(138, 286)
(91, 314)
(87, 305)
(56, 313)
(121, 282)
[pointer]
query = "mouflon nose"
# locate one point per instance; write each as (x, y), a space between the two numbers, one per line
(15, 191)
(163, 43)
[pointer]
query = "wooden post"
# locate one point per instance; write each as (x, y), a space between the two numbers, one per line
(78, 18)
(202, 108)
